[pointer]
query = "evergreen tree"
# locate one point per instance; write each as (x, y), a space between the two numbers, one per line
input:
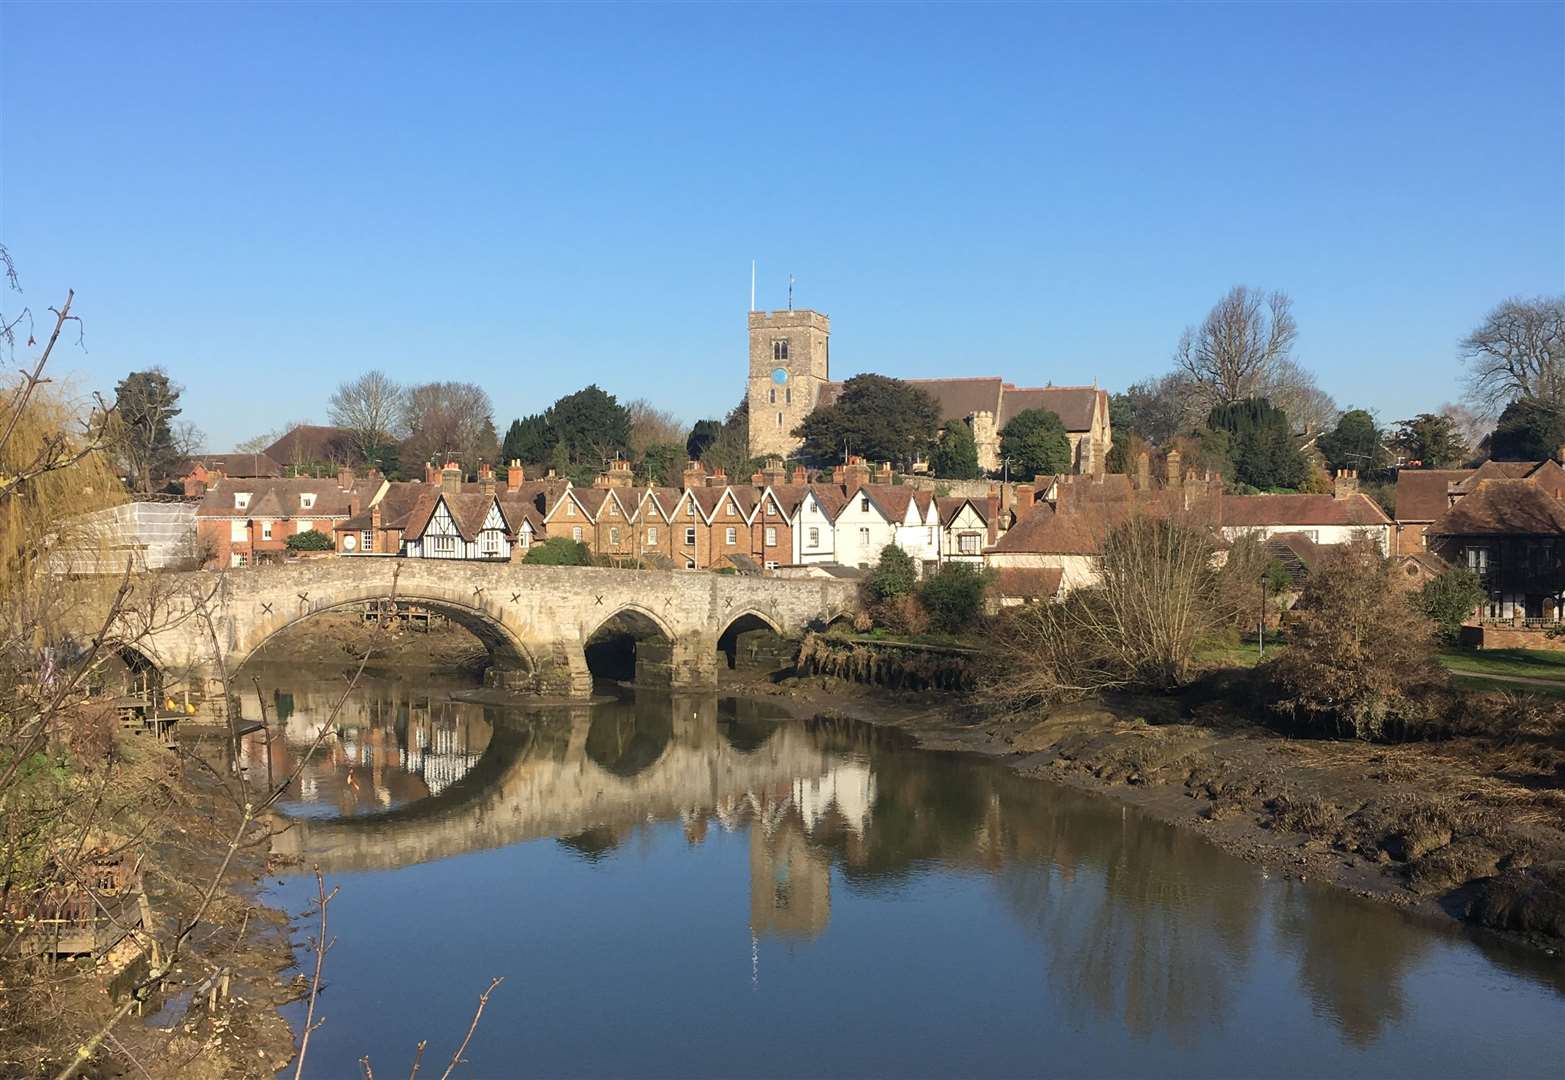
(590, 425)
(955, 456)
(876, 418)
(702, 435)
(1528, 430)
(1034, 443)
(529, 440)
(1432, 441)
(146, 403)
(1261, 444)
(1355, 443)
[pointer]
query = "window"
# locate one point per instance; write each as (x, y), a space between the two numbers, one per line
(787, 395)
(968, 543)
(690, 535)
(304, 525)
(864, 537)
(864, 504)
(241, 500)
(614, 537)
(771, 537)
(570, 508)
(369, 540)
(266, 530)
(238, 558)
(442, 545)
(489, 542)
(1313, 535)
(731, 535)
(307, 500)
(780, 349)
(690, 564)
(690, 508)
(576, 533)
(779, 419)
(929, 535)
(771, 395)
(771, 510)
(815, 537)
(652, 534)
(237, 530)
(771, 564)
(1477, 559)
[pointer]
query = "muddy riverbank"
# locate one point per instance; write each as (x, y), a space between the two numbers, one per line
(1471, 829)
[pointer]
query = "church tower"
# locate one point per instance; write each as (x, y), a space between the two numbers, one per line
(788, 367)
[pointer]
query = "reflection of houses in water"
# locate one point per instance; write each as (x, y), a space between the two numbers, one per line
(390, 747)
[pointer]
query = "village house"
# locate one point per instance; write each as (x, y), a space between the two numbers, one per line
(1344, 515)
(461, 525)
(967, 528)
(1511, 533)
(244, 520)
(201, 472)
(1425, 494)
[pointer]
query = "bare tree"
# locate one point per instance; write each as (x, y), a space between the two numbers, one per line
(373, 408)
(1236, 349)
(1472, 427)
(449, 418)
(651, 426)
(1517, 352)
(1292, 388)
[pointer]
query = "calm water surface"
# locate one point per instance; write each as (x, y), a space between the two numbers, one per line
(682, 886)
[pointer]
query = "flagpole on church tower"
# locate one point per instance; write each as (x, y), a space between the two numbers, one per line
(752, 284)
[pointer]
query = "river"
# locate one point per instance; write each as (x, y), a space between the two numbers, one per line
(685, 886)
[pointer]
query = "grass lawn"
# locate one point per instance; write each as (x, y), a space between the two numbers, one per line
(1246, 654)
(1529, 663)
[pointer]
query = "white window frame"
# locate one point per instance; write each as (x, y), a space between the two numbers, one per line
(690, 534)
(652, 534)
(614, 536)
(969, 543)
(266, 530)
(238, 530)
(241, 500)
(304, 526)
(442, 545)
(576, 533)
(731, 536)
(367, 541)
(771, 536)
(815, 536)
(307, 500)
(489, 542)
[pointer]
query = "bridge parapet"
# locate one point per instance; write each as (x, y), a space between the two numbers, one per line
(535, 619)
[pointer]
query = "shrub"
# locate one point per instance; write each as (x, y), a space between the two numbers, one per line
(954, 597)
(895, 575)
(1449, 599)
(1360, 660)
(1139, 627)
(309, 540)
(559, 551)
(902, 615)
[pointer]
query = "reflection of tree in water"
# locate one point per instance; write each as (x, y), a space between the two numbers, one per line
(1142, 923)
(1351, 962)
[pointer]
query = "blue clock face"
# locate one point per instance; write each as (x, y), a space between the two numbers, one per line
(779, 376)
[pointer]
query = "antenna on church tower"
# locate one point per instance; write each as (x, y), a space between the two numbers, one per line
(752, 284)
(790, 292)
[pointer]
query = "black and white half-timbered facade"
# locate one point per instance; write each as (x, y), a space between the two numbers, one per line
(462, 526)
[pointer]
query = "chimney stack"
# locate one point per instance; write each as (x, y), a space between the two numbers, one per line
(514, 476)
(620, 474)
(1345, 484)
(695, 475)
(774, 473)
(1143, 471)
(758, 478)
(1026, 494)
(451, 478)
(374, 530)
(718, 478)
(856, 475)
(839, 475)
(486, 478)
(883, 474)
(1171, 468)
(431, 474)
(801, 475)
(345, 478)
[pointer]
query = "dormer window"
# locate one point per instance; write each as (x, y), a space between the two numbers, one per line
(307, 500)
(241, 500)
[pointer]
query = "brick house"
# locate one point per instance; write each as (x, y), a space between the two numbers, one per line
(199, 473)
(249, 519)
(1511, 533)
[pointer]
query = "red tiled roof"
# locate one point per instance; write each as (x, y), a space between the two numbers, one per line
(1303, 510)
(1503, 508)
(276, 497)
(1029, 583)
(1495, 470)
(233, 463)
(310, 444)
(1423, 494)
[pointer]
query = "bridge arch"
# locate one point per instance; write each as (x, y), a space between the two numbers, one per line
(744, 622)
(506, 649)
(631, 643)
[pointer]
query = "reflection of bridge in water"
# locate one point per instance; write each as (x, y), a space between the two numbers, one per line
(565, 771)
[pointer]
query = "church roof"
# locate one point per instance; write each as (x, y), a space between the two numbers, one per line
(960, 398)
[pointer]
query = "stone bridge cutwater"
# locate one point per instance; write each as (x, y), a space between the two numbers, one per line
(536, 620)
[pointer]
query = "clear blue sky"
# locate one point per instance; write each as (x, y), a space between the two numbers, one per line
(268, 199)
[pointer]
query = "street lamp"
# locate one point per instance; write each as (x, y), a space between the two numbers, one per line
(1261, 629)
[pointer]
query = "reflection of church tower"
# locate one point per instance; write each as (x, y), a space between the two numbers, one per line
(790, 885)
(788, 367)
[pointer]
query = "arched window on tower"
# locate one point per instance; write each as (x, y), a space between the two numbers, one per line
(779, 419)
(780, 349)
(772, 395)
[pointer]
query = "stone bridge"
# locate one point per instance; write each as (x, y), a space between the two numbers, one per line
(566, 770)
(536, 620)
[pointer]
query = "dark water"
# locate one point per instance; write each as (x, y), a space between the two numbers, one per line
(682, 887)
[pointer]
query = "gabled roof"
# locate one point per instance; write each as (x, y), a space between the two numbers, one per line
(832, 498)
(1504, 508)
(232, 463)
(951, 506)
(587, 500)
(276, 497)
(1424, 494)
(418, 515)
(663, 499)
(1244, 511)
(1495, 470)
(787, 497)
(313, 443)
